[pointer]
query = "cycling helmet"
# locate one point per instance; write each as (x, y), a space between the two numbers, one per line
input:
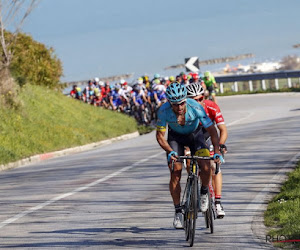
(156, 76)
(206, 74)
(117, 86)
(172, 78)
(122, 81)
(156, 81)
(136, 88)
(195, 76)
(194, 89)
(140, 80)
(176, 93)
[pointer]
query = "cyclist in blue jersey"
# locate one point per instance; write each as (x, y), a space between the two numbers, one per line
(138, 100)
(183, 116)
(115, 99)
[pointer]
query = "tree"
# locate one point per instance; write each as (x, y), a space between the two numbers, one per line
(12, 15)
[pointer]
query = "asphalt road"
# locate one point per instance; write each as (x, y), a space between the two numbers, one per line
(117, 196)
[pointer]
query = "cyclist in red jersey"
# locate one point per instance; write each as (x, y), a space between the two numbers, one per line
(196, 92)
(105, 90)
(73, 92)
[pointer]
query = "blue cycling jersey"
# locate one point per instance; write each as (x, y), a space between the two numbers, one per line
(195, 114)
(115, 95)
(138, 98)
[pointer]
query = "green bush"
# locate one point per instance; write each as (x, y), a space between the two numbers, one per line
(33, 62)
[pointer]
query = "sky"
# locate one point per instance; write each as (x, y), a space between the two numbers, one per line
(101, 38)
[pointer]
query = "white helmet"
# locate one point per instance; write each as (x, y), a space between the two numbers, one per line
(122, 81)
(96, 79)
(194, 89)
(101, 83)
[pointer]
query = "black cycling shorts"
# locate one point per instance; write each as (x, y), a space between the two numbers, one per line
(194, 141)
(211, 89)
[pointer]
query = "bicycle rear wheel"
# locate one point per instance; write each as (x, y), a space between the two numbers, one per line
(208, 215)
(193, 211)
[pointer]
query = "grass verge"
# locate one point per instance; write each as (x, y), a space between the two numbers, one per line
(283, 213)
(49, 121)
(144, 129)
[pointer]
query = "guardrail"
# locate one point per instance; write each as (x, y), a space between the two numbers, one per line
(259, 81)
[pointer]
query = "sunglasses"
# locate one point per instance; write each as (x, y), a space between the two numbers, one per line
(199, 99)
(178, 104)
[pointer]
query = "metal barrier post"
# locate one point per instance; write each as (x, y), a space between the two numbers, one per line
(289, 82)
(221, 88)
(276, 84)
(250, 86)
(263, 84)
(236, 88)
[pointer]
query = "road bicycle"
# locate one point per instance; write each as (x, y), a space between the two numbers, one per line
(191, 198)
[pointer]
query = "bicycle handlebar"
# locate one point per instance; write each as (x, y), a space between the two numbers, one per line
(188, 157)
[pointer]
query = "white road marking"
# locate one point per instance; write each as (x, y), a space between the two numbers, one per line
(62, 196)
(239, 120)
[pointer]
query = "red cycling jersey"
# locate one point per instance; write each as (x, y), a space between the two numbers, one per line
(213, 111)
(105, 91)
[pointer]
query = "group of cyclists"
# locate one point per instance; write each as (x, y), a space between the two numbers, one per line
(187, 106)
(143, 97)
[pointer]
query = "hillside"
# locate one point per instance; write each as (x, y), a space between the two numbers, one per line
(49, 121)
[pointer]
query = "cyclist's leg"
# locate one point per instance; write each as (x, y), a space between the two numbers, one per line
(175, 175)
(201, 148)
(187, 163)
(217, 184)
(217, 181)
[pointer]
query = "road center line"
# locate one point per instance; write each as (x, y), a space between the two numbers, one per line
(77, 190)
(239, 120)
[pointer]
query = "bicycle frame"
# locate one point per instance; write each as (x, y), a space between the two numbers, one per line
(191, 197)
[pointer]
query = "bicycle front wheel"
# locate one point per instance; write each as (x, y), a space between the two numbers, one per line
(193, 211)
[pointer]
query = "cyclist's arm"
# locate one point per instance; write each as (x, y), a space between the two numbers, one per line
(111, 101)
(160, 137)
(203, 85)
(144, 98)
(214, 138)
(214, 82)
(223, 133)
(134, 100)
